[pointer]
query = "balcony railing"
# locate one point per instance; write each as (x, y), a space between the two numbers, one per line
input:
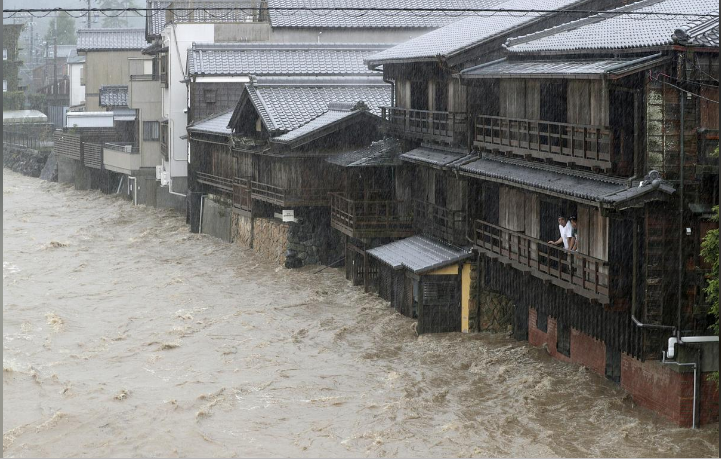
(584, 145)
(122, 147)
(290, 197)
(144, 77)
(370, 218)
(241, 193)
(448, 127)
(585, 274)
(222, 184)
(440, 222)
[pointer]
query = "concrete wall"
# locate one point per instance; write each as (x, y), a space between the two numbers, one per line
(77, 92)
(145, 96)
(216, 219)
(121, 162)
(105, 68)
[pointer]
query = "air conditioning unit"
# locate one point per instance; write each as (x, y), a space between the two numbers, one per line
(158, 172)
(164, 178)
(128, 148)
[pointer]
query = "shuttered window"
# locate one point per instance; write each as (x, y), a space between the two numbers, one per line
(151, 130)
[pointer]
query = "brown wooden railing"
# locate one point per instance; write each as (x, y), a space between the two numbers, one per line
(289, 196)
(426, 124)
(219, 183)
(587, 275)
(585, 145)
(370, 218)
(241, 193)
(440, 222)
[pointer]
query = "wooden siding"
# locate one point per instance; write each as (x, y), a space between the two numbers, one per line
(587, 102)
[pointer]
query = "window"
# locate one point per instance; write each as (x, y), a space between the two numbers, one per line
(5, 54)
(563, 339)
(209, 95)
(151, 130)
(164, 69)
(542, 322)
(419, 95)
(5, 85)
(164, 139)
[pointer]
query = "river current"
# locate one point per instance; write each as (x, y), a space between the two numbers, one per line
(126, 335)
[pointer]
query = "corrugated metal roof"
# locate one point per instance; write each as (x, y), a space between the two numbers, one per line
(584, 68)
(381, 153)
(367, 19)
(618, 31)
(465, 33)
(113, 96)
(546, 178)
(280, 59)
(419, 254)
(111, 39)
(213, 125)
(285, 105)
(433, 156)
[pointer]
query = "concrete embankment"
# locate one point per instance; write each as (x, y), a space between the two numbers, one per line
(27, 161)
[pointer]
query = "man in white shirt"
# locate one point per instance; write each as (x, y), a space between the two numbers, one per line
(566, 230)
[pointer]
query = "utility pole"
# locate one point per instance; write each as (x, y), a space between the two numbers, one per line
(55, 58)
(90, 23)
(32, 44)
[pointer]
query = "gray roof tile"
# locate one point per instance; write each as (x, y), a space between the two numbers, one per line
(419, 254)
(217, 124)
(288, 104)
(280, 59)
(155, 21)
(113, 96)
(535, 69)
(368, 19)
(618, 31)
(432, 156)
(334, 116)
(465, 33)
(381, 153)
(111, 39)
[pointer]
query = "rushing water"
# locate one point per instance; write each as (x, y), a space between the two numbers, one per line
(126, 335)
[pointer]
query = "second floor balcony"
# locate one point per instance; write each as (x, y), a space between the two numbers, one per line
(216, 183)
(289, 197)
(440, 222)
(426, 125)
(573, 144)
(371, 218)
(586, 275)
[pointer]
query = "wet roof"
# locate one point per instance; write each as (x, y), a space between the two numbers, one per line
(566, 68)
(380, 153)
(75, 58)
(428, 17)
(613, 32)
(546, 178)
(287, 104)
(419, 254)
(23, 116)
(465, 33)
(433, 156)
(155, 21)
(111, 39)
(217, 124)
(280, 59)
(113, 96)
(337, 116)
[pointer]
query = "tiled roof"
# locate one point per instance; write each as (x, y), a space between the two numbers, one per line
(701, 32)
(337, 116)
(113, 96)
(110, 39)
(155, 20)
(545, 178)
(613, 32)
(381, 153)
(280, 59)
(578, 68)
(74, 58)
(289, 104)
(465, 33)
(217, 124)
(433, 156)
(426, 18)
(419, 254)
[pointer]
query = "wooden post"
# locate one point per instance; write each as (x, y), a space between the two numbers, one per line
(365, 271)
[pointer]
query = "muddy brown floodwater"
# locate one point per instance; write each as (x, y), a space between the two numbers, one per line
(126, 335)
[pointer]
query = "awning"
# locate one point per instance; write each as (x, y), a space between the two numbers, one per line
(124, 114)
(569, 68)
(419, 254)
(435, 157)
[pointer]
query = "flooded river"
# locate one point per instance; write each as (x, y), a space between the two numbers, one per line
(126, 335)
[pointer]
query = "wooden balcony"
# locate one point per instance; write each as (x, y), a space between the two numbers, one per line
(370, 218)
(220, 185)
(289, 197)
(585, 275)
(439, 222)
(573, 144)
(444, 127)
(241, 194)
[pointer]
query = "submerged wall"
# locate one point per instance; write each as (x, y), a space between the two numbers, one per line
(23, 160)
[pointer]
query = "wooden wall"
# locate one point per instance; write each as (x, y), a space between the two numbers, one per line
(587, 102)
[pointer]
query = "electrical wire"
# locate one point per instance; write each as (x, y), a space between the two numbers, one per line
(656, 78)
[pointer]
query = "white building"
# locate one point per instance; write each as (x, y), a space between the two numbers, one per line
(76, 68)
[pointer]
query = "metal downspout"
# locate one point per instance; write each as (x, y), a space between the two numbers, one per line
(682, 133)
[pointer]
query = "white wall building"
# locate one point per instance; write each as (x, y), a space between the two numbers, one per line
(76, 68)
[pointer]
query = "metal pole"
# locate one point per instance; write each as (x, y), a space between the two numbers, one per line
(682, 129)
(89, 18)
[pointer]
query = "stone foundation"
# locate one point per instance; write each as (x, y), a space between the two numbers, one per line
(270, 239)
(23, 160)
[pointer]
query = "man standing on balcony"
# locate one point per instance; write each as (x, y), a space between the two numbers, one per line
(573, 242)
(566, 230)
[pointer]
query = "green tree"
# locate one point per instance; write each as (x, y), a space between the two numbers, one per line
(710, 253)
(66, 30)
(116, 19)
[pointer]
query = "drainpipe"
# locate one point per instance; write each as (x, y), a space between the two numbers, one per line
(682, 95)
(695, 379)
